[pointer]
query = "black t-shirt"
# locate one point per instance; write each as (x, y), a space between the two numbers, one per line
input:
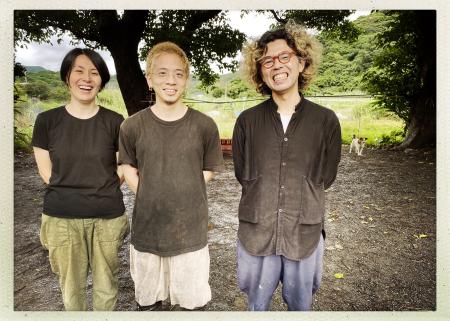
(170, 214)
(83, 182)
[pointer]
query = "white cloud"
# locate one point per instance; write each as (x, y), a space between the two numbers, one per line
(51, 55)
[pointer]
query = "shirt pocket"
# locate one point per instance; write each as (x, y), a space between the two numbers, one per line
(248, 205)
(312, 206)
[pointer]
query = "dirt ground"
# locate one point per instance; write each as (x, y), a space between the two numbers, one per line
(381, 236)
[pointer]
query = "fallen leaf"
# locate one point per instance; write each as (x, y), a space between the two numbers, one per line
(370, 219)
(366, 206)
(339, 275)
(338, 246)
(364, 222)
(330, 219)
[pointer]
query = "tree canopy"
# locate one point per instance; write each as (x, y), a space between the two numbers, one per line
(205, 35)
(393, 59)
(403, 73)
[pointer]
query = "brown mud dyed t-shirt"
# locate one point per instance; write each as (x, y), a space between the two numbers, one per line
(170, 214)
(83, 182)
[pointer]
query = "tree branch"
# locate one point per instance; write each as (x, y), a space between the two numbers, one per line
(277, 18)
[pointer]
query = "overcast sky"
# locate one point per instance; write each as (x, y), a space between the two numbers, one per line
(50, 56)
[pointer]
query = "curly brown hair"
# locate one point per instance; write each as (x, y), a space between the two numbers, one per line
(305, 45)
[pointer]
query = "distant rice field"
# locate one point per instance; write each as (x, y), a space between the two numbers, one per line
(356, 114)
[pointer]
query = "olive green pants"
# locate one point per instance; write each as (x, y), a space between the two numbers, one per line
(74, 246)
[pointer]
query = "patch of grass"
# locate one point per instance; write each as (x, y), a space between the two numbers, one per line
(356, 116)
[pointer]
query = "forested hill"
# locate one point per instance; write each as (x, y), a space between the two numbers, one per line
(343, 63)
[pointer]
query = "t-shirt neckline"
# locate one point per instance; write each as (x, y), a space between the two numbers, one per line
(172, 122)
(81, 119)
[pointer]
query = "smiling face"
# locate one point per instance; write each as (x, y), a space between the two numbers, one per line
(167, 78)
(84, 80)
(281, 78)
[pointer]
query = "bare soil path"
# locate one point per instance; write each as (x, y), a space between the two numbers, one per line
(381, 236)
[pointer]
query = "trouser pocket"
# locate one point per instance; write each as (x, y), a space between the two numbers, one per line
(111, 230)
(54, 231)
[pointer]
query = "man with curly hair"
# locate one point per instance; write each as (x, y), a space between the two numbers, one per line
(286, 152)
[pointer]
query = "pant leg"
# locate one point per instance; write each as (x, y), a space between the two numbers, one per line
(107, 236)
(258, 277)
(150, 274)
(64, 239)
(301, 279)
(189, 279)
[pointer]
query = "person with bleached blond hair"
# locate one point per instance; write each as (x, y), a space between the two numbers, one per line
(168, 152)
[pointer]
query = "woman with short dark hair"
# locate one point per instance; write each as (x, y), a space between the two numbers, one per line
(83, 221)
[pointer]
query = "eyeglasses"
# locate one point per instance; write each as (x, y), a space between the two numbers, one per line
(284, 57)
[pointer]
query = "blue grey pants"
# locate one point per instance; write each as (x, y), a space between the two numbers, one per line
(258, 277)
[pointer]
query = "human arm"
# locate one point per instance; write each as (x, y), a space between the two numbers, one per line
(238, 143)
(44, 163)
(333, 152)
(119, 170)
(212, 156)
(127, 156)
(208, 175)
(131, 175)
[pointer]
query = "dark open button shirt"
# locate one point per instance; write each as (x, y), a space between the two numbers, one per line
(284, 176)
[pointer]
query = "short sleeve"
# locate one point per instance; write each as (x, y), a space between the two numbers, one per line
(40, 133)
(127, 146)
(117, 122)
(212, 156)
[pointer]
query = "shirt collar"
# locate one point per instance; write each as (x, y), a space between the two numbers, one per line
(274, 107)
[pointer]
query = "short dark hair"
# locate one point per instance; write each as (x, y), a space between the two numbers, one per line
(97, 60)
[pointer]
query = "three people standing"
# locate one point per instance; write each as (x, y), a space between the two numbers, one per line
(286, 151)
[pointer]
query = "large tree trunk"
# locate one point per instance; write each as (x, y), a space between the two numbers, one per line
(122, 39)
(132, 83)
(421, 131)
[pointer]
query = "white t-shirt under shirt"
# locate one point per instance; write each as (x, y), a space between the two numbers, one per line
(285, 121)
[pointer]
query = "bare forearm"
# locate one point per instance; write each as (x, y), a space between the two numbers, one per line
(208, 176)
(45, 176)
(131, 175)
(44, 163)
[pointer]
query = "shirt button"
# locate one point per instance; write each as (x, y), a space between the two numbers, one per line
(283, 163)
(282, 186)
(285, 139)
(280, 210)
